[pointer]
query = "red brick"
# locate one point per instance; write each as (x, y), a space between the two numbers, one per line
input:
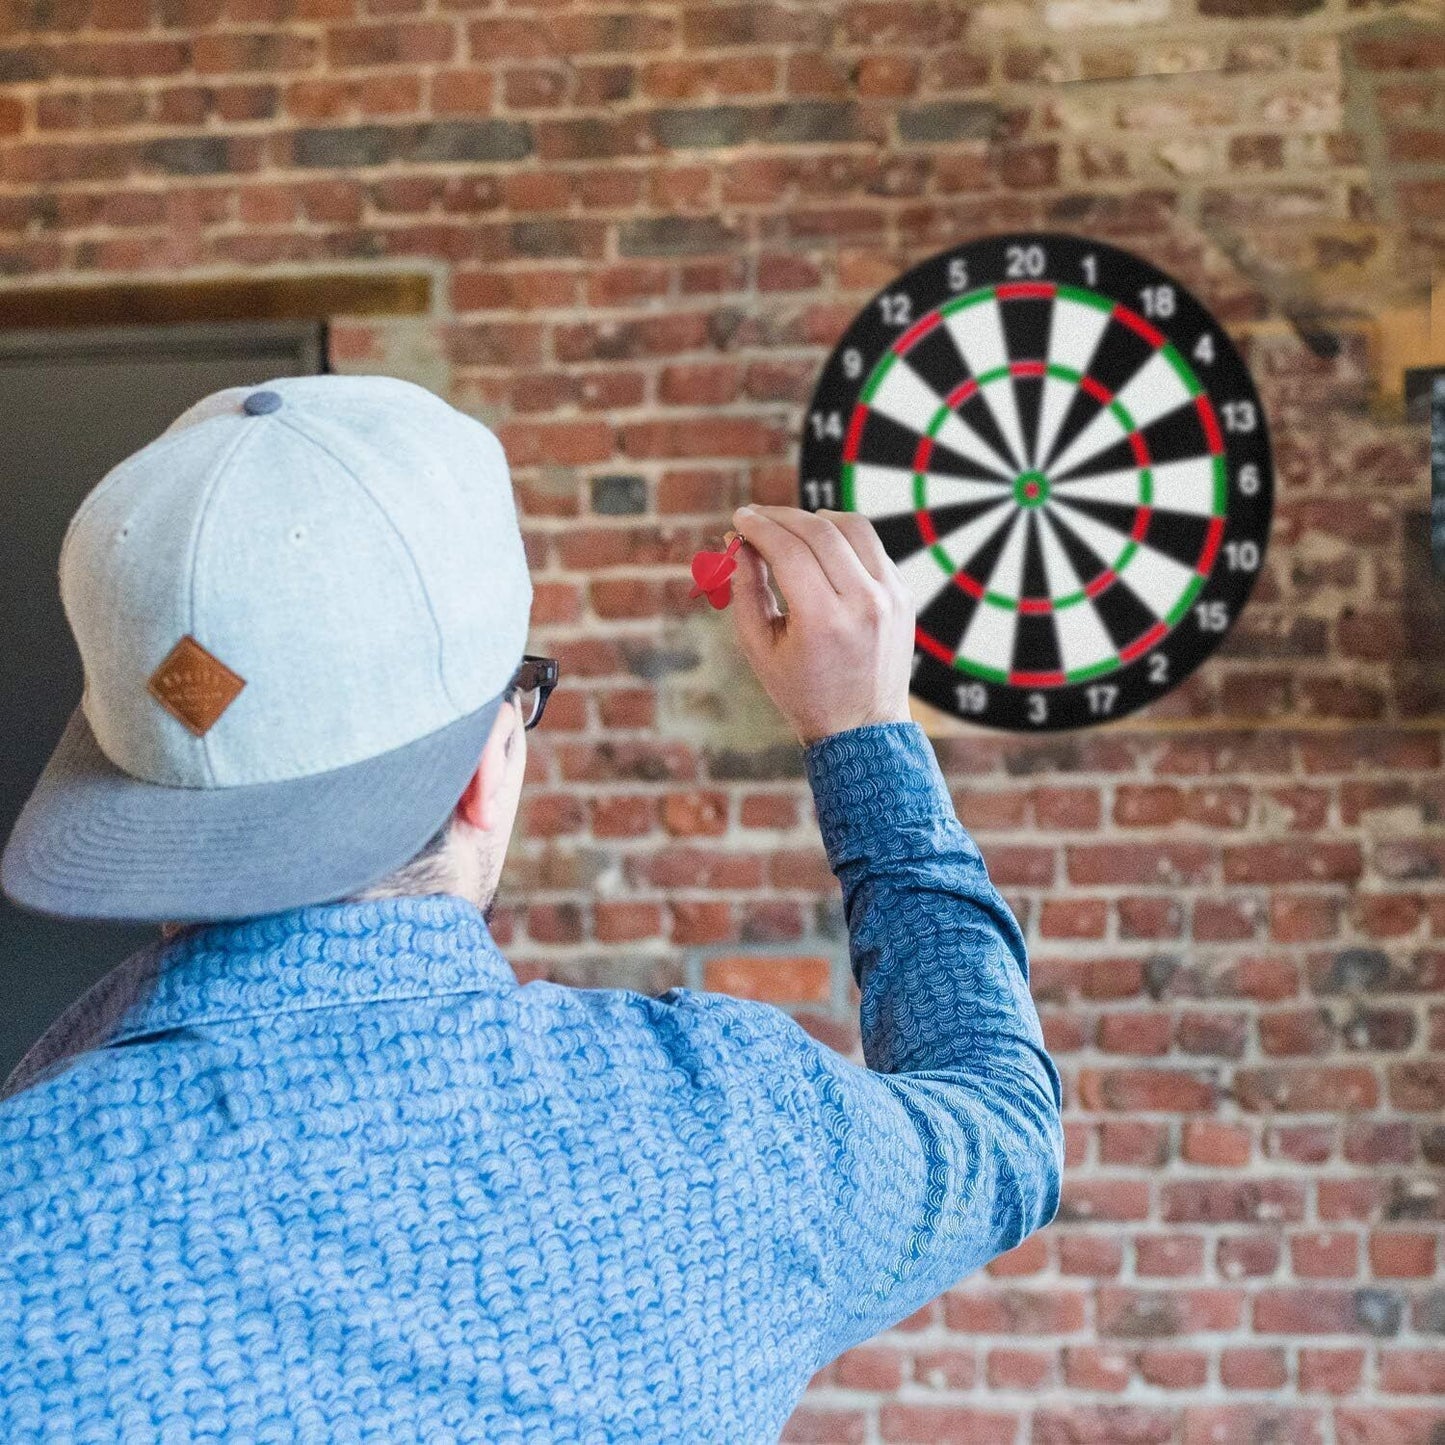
(1133, 1142)
(945, 1369)
(774, 978)
(1092, 1255)
(1413, 1372)
(1171, 1256)
(1013, 1311)
(1165, 1090)
(945, 1425)
(1093, 1368)
(868, 1367)
(1402, 1256)
(1030, 1257)
(1135, 1033)
(1219, 1145)
(1173, 1369)
(1009, 1369)
(1148, 1314)
(812, 1424)
(1247, 1256)
(1163, 864)
(1306, 1311)
(701, 922)
(1301, 1090)
(618, 922)
(695, 814)
(623, 816)
(1293, 863)
(768, 810)
(1285, 1424)
(1253, 1368)
(1324, 1255)
(1330, 1371)
(1223, 1201)
(1074, 918)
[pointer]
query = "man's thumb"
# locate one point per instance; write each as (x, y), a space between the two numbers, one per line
(755, 612)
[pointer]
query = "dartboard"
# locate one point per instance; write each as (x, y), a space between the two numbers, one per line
(1066, 457)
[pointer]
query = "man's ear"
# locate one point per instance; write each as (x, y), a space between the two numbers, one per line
(478, 803)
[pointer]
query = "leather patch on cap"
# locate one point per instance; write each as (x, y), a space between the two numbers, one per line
(194, 686)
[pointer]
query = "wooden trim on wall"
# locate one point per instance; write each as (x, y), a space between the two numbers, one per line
(242, 298)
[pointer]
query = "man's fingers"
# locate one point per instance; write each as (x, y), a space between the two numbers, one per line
(839, 562)
(864, 541)
(792, 562)
(756, 617)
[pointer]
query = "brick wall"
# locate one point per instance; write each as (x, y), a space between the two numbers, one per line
(648, 223)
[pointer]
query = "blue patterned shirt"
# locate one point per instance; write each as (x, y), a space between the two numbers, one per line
(333, 1175)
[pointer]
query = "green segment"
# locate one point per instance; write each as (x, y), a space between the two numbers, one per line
(1182, 606)
(1182, 369)
(879, 372)
(1221, 486)
(977, 669)
(846, 482)
(969, 298)
(1094, 669)
(1086, 298)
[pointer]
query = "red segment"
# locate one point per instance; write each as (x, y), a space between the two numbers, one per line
(1103, 580)
(921, 456)
(1141, 523)
(1018, 289)
(1026, 368)
(1097, 390)
(855, 431)
(1035, 604)
(1141, 645)
(1211, 546)
(1211, 423)
(969, 584)
(1140, 449)
(925, 528)
(932, 646)
(961, 393)
(1036, 679)
(1138, 323)
(919, 329)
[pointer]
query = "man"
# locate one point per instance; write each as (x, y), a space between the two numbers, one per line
(313, 1166)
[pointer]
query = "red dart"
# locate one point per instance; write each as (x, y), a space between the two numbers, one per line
(712, 572)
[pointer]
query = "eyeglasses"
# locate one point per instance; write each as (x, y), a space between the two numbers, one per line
(532, 684)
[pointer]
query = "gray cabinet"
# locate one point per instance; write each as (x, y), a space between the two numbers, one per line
(73, 403)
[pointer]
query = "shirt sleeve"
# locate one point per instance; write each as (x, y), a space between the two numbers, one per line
(947, 1149)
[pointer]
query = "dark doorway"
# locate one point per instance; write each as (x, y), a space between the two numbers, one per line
(73, 403)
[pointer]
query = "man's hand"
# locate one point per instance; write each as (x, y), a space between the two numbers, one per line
(841, 655)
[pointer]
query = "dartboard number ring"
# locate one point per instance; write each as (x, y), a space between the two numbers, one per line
(1066, 457)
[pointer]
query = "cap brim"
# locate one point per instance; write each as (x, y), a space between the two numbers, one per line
(92, 842)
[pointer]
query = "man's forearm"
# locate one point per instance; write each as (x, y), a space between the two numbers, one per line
(937, 955)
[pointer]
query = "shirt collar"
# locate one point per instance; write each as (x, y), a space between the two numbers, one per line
(315, 956)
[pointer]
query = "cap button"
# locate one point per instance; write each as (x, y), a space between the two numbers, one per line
(260, 402)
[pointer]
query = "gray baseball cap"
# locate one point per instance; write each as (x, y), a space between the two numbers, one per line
(298, 611)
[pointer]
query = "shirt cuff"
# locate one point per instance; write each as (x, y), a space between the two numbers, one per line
(873, 784)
